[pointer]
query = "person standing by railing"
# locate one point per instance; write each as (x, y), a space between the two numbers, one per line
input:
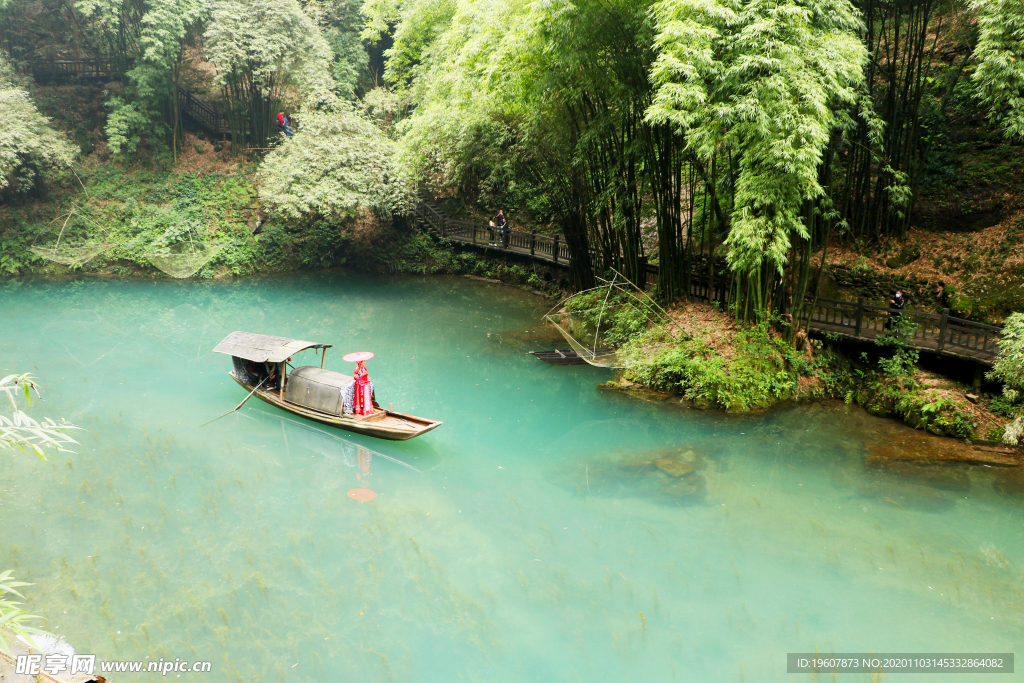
(500, 224)
(896, 304)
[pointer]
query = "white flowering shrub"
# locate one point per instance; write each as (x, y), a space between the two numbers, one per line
(337, 163)
(28, 145)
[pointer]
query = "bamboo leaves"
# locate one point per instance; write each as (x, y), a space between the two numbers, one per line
(12, 616)
(22, 432)
(757, 82)
(1000, 54)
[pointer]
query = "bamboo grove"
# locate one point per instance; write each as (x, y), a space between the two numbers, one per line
(730, 141)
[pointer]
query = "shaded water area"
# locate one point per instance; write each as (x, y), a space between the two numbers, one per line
(548, 531)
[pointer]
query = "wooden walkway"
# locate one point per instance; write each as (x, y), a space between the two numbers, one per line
(548, 249)
(934, 332)
(204, 114)
(938, 333)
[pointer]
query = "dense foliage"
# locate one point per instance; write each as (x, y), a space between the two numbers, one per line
(264, 49)
(1009, 369)
(744, 133)
(1000, 54)
(249, 58)
(730, 142)
(341, 162)
(28, 145)
(757, 85)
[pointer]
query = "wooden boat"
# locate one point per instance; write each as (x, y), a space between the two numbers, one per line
(309, 391)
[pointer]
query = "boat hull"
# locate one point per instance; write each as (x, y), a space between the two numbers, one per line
(385, 424)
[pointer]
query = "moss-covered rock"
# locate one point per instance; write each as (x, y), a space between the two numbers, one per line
(906, 256)
(959, 303)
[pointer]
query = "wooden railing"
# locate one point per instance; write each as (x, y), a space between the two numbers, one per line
(50, 69)
(938, 332)
(204, 113)
(555, 250)
(541, 247)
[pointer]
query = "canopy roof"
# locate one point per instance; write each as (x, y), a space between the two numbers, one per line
(263, 348)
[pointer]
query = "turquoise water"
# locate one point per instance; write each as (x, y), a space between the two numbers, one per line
(529, 538)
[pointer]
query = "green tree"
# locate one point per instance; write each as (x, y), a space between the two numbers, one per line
(266, 51)
(1009, 369)
(754, 86)
(29, 147)
(111, 29)
(168, 28)
(999, 75)
(342, 22)
(538, 103)
(418, 24)
(338, 163)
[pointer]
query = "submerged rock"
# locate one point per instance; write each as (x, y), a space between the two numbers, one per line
(908, 496)
(952, 476)
(667, 475)
(897, 445)
(685, 487)
(1010, 482)
(636, 462)
(674, 468)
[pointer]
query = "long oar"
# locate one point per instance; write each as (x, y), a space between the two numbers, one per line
(239, 405)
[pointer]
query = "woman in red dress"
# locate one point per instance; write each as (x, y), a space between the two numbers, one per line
(363, 399)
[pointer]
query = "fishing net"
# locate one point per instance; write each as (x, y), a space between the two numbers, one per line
(598, 322)
(76, 242)
(87, 335)
(186, 331)
(71, 254)
(184, 259)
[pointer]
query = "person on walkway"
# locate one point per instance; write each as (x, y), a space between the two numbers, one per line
(896, 304)
(501, 225)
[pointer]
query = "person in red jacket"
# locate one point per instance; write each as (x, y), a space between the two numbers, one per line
(282, 123)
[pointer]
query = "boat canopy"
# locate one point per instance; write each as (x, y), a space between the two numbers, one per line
(262, 348)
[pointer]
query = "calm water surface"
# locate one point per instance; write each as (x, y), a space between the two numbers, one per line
(530, 538)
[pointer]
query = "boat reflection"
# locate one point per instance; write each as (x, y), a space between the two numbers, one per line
(305, 436)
